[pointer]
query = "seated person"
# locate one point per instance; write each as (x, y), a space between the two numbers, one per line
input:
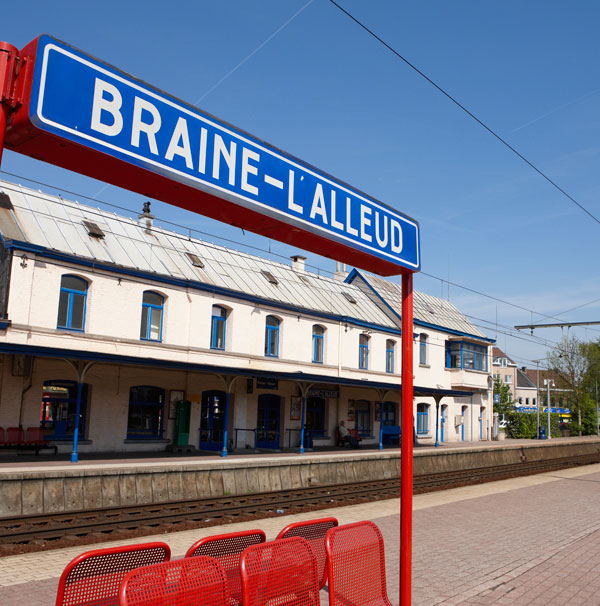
(345, 435)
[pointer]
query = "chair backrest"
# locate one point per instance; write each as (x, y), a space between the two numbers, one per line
(227, 549)
(356, 565)
(283, 571)
(34, 435)
(1, 435)
(94, 577)
(198, 581)
(314, 532)
(14, 435)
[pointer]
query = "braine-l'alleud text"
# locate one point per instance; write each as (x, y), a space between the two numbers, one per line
(236, 165)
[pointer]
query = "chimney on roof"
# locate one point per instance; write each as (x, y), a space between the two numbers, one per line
(340, 272)
(298, 262)
(146, 216)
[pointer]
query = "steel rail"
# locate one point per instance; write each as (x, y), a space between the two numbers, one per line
(206, 512)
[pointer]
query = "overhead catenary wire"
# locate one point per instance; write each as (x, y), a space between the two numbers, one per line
(189, 230)
(466, 111)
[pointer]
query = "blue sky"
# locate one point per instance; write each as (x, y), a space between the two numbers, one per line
(325, 91)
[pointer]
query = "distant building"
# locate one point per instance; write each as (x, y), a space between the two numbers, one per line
(166, 340)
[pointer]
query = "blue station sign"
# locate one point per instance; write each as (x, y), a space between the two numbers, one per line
(130, 130)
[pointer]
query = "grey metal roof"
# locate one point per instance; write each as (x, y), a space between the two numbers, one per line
(426, 308)
(57, 224)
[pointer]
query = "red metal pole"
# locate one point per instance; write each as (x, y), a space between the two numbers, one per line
(406, 466)
(8, 55)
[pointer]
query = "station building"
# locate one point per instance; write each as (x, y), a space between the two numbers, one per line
(166, 341)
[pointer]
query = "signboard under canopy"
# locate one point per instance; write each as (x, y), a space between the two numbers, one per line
(82, 114)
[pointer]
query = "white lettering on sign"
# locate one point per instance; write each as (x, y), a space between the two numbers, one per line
(111, 106)
(218, 155)
(138, 126)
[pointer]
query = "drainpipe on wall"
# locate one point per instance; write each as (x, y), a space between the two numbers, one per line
(24, 391)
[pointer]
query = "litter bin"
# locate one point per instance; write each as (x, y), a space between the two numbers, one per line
(542, 433)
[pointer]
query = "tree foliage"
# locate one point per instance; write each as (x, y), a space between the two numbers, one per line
(502, 393)
(575, 367)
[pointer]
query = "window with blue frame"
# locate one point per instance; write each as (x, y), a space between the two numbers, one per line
(318, 334)
(146, 413)
(467, 356)
(71, 304)
(272, 337)
(362, 417)
(390, 351)
(423, 349)
(218, 327)
(422, 418)
(363, 352)
(152, 312)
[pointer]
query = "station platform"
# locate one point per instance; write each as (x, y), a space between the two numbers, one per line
(41, 485)
(526, 541)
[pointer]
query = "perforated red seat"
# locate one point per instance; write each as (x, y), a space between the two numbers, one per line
(93, 578)
(282, 573)
(15, 435)
(356, 565)
(34, 435)
(314, 532)
(227, 549)
(197, 581)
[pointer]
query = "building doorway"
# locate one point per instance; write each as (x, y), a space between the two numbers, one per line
(212, 420)
(267, 421)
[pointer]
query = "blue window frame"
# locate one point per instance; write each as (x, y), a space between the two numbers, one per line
(71, 304)
(467, 356)
(218, 327)
(362, 417)
(423, 349)
(317, 339)
(152, 313)
(390, 350)
(146, 413)
(363, 352)
(272, 337)
(422, 418)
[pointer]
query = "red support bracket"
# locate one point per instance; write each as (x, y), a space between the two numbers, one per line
(9, 61)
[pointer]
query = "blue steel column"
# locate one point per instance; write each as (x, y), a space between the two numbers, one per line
(301, 450)
(437, 422)
(381, 425)
(74, 455)
(224, 451)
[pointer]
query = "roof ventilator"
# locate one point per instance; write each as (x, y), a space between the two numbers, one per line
(93, 230)
(195, 260)
(269, 276)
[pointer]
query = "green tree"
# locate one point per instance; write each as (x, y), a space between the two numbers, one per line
(503, 403)
(569, 364)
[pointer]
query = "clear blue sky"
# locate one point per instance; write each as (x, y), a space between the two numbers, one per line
(325, 91)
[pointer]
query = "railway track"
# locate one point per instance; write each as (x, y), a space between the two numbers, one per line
(44, 531)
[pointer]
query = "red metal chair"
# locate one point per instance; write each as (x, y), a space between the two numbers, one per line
(356, 565)
(93, 578)
(314, 532)
(15, 436)
(34, 435)
(227, 549)
(2, 439)
(283, 572)
(198, 581)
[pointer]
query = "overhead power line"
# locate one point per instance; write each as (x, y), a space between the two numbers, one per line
(466, 111)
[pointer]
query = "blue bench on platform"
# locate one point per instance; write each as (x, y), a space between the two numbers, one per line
(391, 434)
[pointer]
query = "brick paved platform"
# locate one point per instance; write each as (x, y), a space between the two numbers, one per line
(527, 541)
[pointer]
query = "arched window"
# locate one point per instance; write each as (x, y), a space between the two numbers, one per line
(317, 339)
(423, 349)
(146, 412)
(71, 305)
(272, 337)
(363, 352)
(422, 418)
(218, 326)
(390, 353)
(152, 312)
